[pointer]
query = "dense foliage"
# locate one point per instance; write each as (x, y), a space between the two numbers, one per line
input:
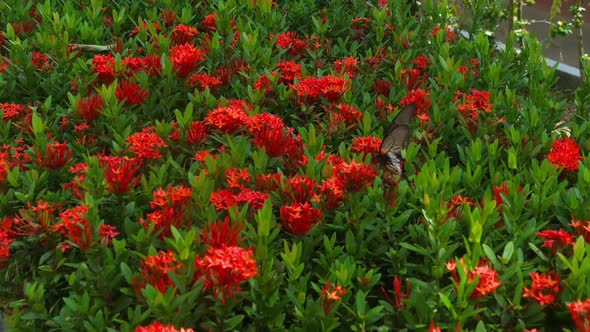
(172, 165)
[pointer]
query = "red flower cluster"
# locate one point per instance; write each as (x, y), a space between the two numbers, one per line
(75, 227)
(582, 227)
(300, 218)
(185, 58)
(120, 173)
(487, 282)
(203, 81)
(54, 155)
(290, 70)
(10, 157)
(544, 288)
(90, 108)
(565, 153)
(354, 175)
(183, 34)
(344, 114)
(310, 89)
(453, 206)
(159, 327)
(34, 220)
(366, 145)
(289, 41)
(227, 119)
(330, 295)
(155, 272)
(556, 239)
(347, 65)
(222, 233)
(299, 188)
(104, 66)
(131, 93)
(224, 199)
(170, 209)
(41, 62)
(6, 238)
(146, 144)
(581, 314)
(413, 78)
(223, 268)
(473, 104)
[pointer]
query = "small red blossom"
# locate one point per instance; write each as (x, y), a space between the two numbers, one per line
(289, 41)
(366, 145)
(397, 289)
(347, 65)
(310, 89)
(262, 84)
(197, 133)
(268, 182)
(354, 175)
(152, 65)
(330, 296)
(300, 218)
(276, 141)
(227, 119)
(55, 155)
(74, 225)
(223, 269)
(203, 81)
(146, 144)
(254, 199)
(132, 65)
(582, 227)
(185, 58)
(237, 177)
(331, 193)
(487, 277)
(433, 327)
(222, 233)
(90, 108)
(159, 327)
(120, 173)
(41, 62)
(145, 26)
(299, 188)
(104, 66)
(131, 93)
(565, 153)
(580, 312)
(421, 62)
(290, 70)
(107, 233)
(544, 288)
(556, 239)
(155, 271)
(257, 122)
(413, 78)
(223, 199)
(183, 34)
(420, 98)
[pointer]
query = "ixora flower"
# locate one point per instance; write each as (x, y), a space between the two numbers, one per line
(565, 153)
(104, 66)
(131, 93)
(310, 89)
(556, 239)
(582, 227)
(185, 58)
(220, 233)
(223, 269)
(488, 277)
(155, 271)
(55, 155)
(74, 225)
(581, 314)
(90, 108)
(183, 34)
(299, 188)
(544, 288)
(227, 119)
(300, 218)
(146, 144)
(120, 173)
(159, 327)
(330, 296)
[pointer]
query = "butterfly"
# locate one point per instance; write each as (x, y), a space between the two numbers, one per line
(394, 140)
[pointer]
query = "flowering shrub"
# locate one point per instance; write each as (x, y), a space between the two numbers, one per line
(212, 165)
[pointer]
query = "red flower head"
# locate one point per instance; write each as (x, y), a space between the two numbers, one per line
(565, 153)
(133, 65)
(131, 93)
(299, 188)
(330, 295)
(421, 99)
(433, 327)
(262, 84)
(300, 218)
(350, 114)
(544, 287)
(222, 269)
(197, 133)
(223, 199)
(6, 238)
(366, 145)
(397, 289)
(120, 173)
(155, 271)
(146, 144)
(152, 65)
(332, 193)
(227, 119)
(310, 89)
(104, 66)
(185, 58)
(237, 178)
(348, 65)
(75, 227)
(581, 314)
(354, 175)
(288, 41)
(413, 78)
(421, 62)
(41, 62)
(259, 121)
(90, 108)
(222, 233)
(254, 199)
(556, 239)
(170, 209)
(268, 182)
(582, 227)
(54, 155)
(203, 81)
(290, 70)
(159, 327)
(487, 282)
(276, 141)
(107, 233)
(183, 34)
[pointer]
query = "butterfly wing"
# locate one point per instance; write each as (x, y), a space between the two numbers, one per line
(395, 140)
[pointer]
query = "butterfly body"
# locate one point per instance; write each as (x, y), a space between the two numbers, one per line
(394, 140)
